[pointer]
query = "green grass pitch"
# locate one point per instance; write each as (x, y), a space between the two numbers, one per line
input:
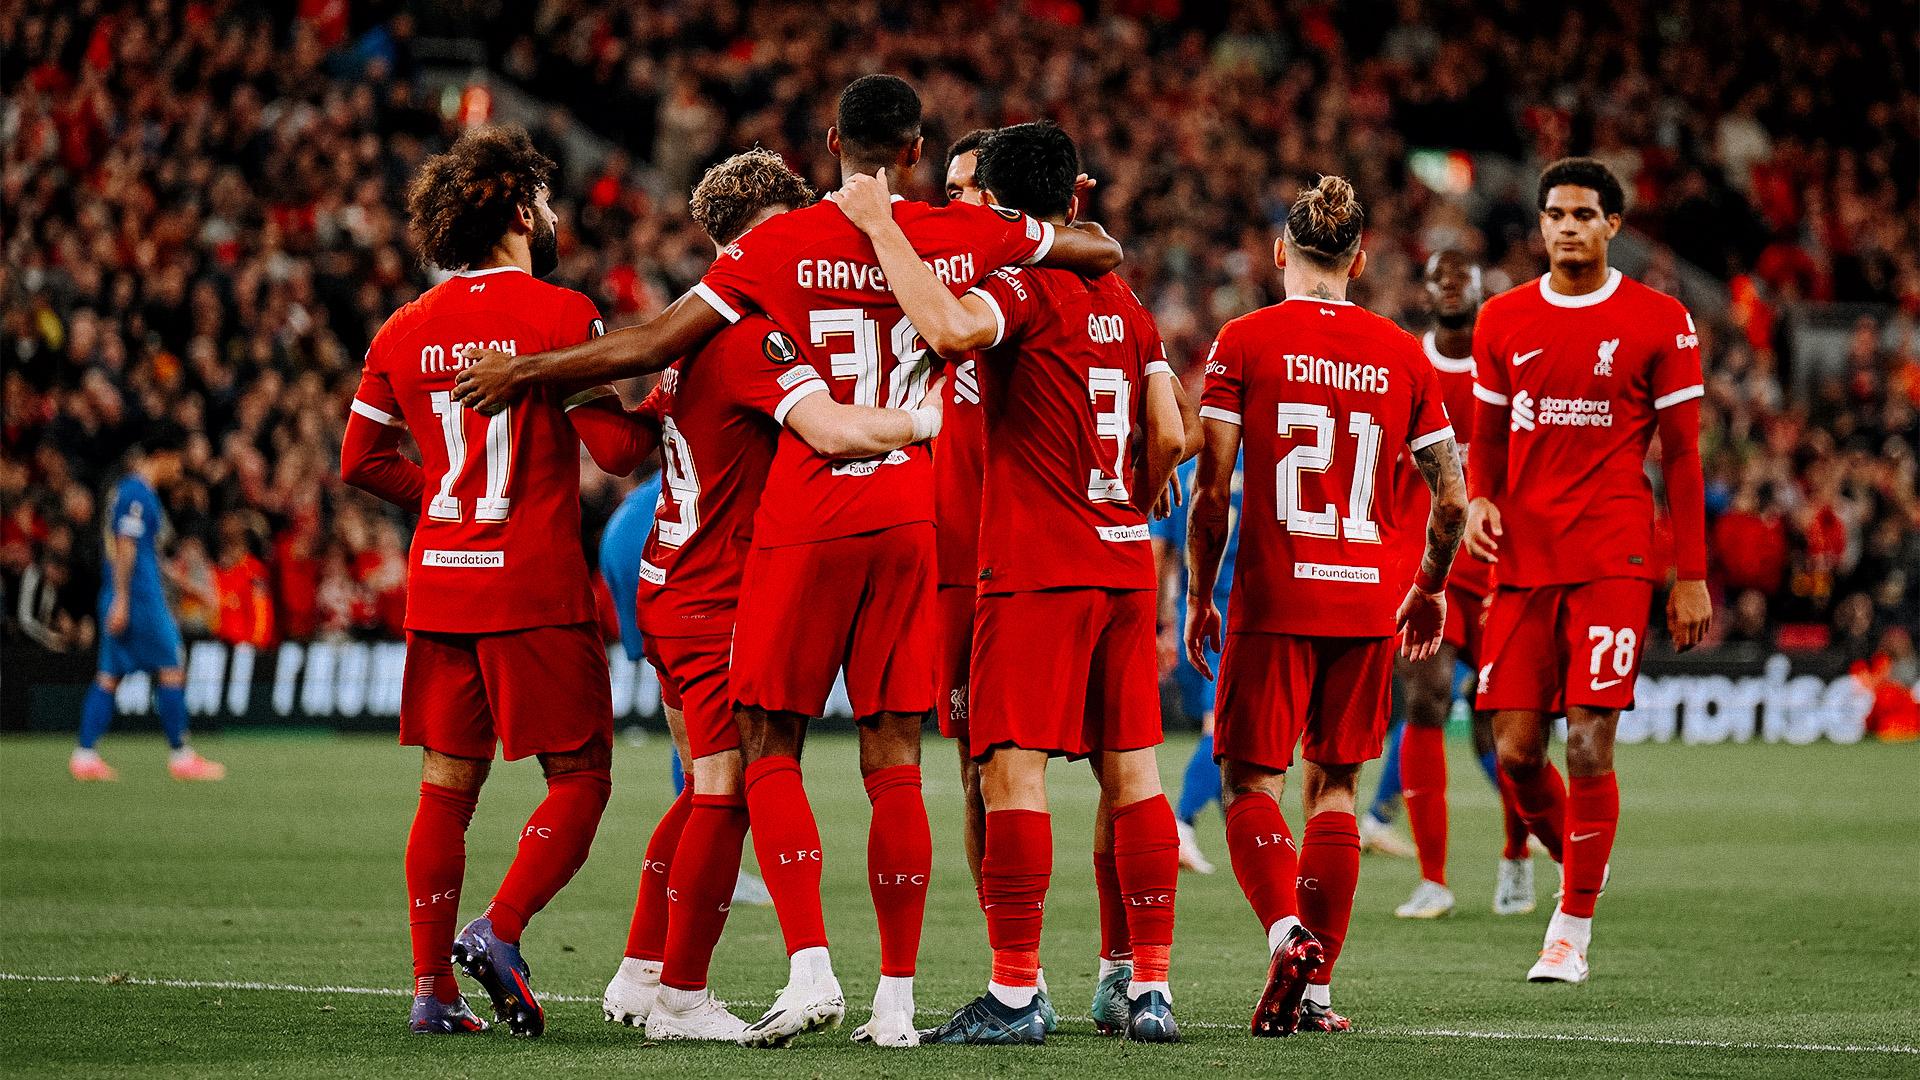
(1764, 920)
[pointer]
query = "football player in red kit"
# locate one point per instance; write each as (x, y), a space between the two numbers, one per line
(1323, 394)
(842, 569)
(501, 640)
(719, 415)
(1575, 373)
(1071, 369)
(1454, 295)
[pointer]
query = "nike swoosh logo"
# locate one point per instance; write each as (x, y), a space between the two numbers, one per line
(1522, 357)
(1598, 685)
(1579, 836)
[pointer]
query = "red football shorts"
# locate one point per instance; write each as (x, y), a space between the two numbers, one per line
(1466, 623)
(863, 602)
(544, 690)
(693, 679)
(1278, 689)
(1561, 645)
(956, 604)
(1067, 671)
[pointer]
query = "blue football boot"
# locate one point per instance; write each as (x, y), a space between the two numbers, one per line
(1110, 1012)
(986, 1022)
(1150, 1019)
(496, 965)
(431, 1016)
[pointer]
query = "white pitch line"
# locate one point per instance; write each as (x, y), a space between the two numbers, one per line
(1416, 1033)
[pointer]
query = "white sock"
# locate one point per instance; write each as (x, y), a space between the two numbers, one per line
(1013, 997)
(1040, 980)
(1136, 988)
(85, 755)
(1320, 994)
(809, 965)
(1108, 967)
(1572, 929)
(677, 1000)
(1278, 932)
(182, 755)
(893, 995)
(645, 972)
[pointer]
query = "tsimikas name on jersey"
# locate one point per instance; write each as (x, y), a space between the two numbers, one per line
(435, 359)
(1335, 374)
(1529, 413)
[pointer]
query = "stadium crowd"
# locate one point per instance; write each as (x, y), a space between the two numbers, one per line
(201, 223)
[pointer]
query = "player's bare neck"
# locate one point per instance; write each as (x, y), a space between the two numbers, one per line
(1454, 343)
(1578, 279)
(1316, 289)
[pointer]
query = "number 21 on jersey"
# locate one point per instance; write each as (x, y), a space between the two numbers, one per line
(1316, 456)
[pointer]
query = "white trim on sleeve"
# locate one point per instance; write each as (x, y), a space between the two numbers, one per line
(376, 415)
(1489, 396)
(795, 396)
(1159, 367)
(1685, 393)
(1208, 412)
(705, 292)
(1414, 446)
(591, 393)
(1046, 245)
(999, 317)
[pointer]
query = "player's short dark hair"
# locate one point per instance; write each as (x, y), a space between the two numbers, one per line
(1030, 167)
(734, 192)
(1585, 172)
(1326, 223)
(878, 117)
(966, 144)
(465, 200)
(163, 437)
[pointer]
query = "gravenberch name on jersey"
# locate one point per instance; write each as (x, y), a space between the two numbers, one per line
(1338, 374)
(435, 359)
(842, 275)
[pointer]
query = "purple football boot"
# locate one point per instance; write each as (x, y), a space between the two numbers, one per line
(431, 1016)
(496, 965)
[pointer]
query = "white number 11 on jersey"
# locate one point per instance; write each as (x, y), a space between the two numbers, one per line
(453, 427)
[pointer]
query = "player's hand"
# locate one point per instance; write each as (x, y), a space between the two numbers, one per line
(936, 394)
(117, 617)
(1421, 619)
(1169, 500)
(1484, 530)
(1203, 633)
(1689, 613)
(866, 200)
(490, 384)
(1083, 184)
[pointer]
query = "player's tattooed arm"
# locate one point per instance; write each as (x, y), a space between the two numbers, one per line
(1439, 465)
(496, 379)
(950, 325)
(1084, 248)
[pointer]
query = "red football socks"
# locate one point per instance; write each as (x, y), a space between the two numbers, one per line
(1543, 804)
(552, 847)
(1146, 858)
(1329, 873)
(1423, 777)
(1014, 873)
(701, 886)
(786, 841)
(436, 863)
(647, 934)
(1593, 814)
(899, 865)
(1264, 858)
(1114, 942)
(1510, 819)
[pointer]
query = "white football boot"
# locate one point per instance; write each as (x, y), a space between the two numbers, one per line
(1191, 857)
(1430, 900)
(693, 1015)
(629, 997)
(812, 999)
(891, 1024)
(1564, 956)
(1513, 887)
(1377, 835)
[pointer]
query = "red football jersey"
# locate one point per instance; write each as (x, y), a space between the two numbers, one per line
(1064, 392)
(498, 543)
(1582, 378)
(716, 445)
(813, 272)
(959, 470)
(1326, 394)
(1412, 500)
